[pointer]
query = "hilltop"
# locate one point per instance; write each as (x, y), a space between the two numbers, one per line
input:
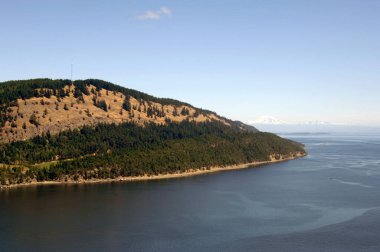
(90, 130)
(42, 106)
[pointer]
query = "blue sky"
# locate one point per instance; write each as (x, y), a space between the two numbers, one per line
(295, 60)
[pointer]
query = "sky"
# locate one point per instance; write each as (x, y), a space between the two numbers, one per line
(294, 60)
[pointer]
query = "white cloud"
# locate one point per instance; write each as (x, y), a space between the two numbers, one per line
(155, 15)
(166, 11)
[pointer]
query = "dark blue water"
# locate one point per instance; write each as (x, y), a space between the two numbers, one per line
(328, 201)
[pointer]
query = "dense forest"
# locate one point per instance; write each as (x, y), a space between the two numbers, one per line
(110, 151)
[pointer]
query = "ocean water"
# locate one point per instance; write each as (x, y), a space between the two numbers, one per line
(327, 201)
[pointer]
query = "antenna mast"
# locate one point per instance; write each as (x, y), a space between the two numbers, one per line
(71, 74)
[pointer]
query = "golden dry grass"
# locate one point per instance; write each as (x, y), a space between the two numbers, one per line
(53, 118)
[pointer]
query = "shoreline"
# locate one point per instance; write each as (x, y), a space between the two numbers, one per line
(187, 173)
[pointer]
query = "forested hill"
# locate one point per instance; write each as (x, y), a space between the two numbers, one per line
(55, 130)
(43, 106)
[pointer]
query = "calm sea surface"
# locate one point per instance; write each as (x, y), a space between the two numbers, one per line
(328, 201)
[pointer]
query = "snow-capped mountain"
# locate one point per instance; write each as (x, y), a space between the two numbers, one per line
(267, 120)
(316, 123)
(270, 120)
(272, 124)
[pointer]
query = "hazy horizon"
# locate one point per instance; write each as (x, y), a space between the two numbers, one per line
(297, 61)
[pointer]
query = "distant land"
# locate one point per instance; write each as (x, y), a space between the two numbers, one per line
(55, 131)
(272, 124)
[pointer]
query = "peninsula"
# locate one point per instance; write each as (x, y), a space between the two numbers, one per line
(57, 131)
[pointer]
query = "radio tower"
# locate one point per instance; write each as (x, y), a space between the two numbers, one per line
(72, 83)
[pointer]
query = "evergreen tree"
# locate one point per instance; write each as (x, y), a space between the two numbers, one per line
(184, 111)
(175, 112)
(149, 112)
(33, 120)
(127, 104)
(103, 105)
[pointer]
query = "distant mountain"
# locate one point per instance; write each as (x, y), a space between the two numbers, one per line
(267, 120)
(58, 130)
(271, 120)
(272, 124)
(316, 123)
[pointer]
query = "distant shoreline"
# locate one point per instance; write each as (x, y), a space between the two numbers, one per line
(188, 173)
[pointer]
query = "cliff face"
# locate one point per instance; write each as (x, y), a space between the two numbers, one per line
(51, 112)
